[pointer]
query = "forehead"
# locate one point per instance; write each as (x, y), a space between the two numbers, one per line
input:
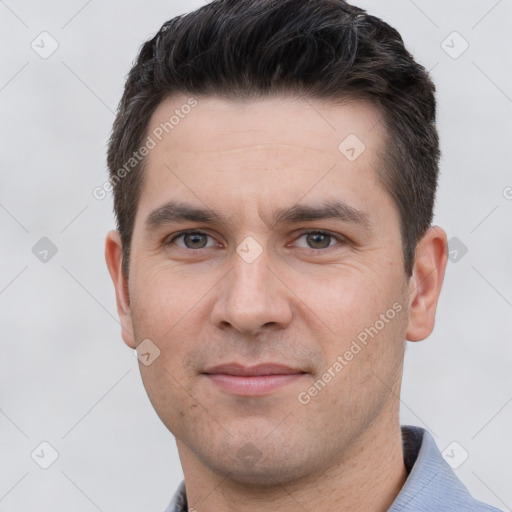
(220, 124)
(282, 148)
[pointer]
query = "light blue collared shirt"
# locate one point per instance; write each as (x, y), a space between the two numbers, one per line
(431, 486)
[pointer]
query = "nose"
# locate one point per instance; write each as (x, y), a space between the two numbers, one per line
(252, 297)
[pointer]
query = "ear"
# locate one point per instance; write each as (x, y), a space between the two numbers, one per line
(114, 258)
(426, 282)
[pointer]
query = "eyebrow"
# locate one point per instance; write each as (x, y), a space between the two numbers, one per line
(337, 210)
(175, 212)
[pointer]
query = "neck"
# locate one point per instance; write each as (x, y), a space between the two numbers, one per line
(368, 478)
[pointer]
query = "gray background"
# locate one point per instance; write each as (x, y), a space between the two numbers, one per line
(66, 376)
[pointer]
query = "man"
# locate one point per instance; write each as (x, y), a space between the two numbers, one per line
(274, 166)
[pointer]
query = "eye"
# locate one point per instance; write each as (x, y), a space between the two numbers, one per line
(319, 240)
(313, 240)
(191, 240)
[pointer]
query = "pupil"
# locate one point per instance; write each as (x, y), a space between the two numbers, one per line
(195, 240)
(318, 240)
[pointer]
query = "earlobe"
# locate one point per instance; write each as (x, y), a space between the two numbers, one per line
(426, 282)
(114, 259)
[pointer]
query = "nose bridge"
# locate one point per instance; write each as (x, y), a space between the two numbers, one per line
(252, 296)
(250, 273)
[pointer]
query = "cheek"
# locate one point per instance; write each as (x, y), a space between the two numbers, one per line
(360, 317)
(346, 300)
(170, 393)
(162, 300)
(161, 312)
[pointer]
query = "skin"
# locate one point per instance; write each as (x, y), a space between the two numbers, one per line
(301, 302)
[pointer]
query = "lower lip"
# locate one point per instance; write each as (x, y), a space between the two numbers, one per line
(252, 385)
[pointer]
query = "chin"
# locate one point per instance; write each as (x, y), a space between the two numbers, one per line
(249, 465)
(262, 475)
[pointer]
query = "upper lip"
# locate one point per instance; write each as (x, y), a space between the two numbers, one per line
(260, 369)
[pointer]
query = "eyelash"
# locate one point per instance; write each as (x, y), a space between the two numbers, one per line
(339, 238)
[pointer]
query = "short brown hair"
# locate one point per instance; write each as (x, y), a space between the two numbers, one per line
(318, 49)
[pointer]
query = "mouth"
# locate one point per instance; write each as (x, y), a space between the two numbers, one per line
(256, 380)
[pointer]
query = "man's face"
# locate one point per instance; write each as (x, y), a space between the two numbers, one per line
(253, 287)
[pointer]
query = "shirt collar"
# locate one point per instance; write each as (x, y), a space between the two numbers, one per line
(432, 484)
